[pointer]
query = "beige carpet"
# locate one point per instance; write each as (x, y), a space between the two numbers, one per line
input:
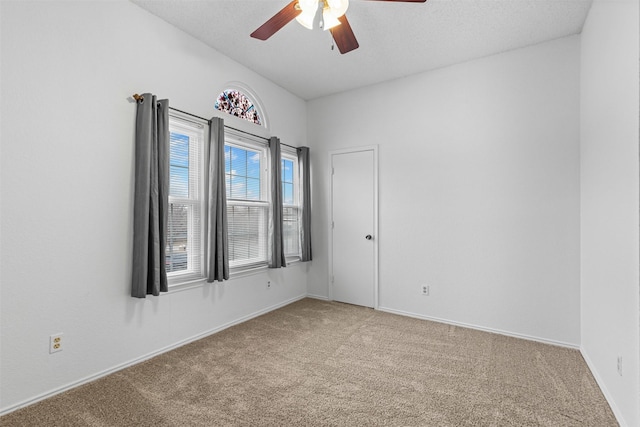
(316, 363)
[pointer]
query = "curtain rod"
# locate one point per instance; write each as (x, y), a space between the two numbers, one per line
(141, 98)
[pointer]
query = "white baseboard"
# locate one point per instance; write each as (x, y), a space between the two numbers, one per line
(148, 356)
(481, 328)
(320, 297)
(604, 389)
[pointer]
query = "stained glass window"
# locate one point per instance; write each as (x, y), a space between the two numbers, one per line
(238, 104)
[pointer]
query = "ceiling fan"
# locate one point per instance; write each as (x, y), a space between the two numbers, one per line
(305, 11)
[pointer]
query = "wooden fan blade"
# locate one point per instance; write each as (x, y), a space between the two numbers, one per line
(344, 37)
(279, 20)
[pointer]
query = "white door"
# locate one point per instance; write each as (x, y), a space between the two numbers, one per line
(354, 217)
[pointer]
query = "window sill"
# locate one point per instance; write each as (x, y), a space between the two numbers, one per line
(187, 284)
(176, 285)
(293, 260)
(237, 272)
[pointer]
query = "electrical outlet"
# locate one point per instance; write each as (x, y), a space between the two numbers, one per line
(55, 343)
(424, 289)
(269, 284)
(620, 365)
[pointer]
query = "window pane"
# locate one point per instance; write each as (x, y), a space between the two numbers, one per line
(178, 165)
(253, 165)
(238, 187)
(291, 231)
(178, 181)
(287, 193)
(179, 149)
(247, 214)
(253, 189)
(247, 231)
(177, 238)
(287, 170)
(183, 247)
(243, 174)
(227, 159)
(291, 217)
(238, 161)
(238, 243)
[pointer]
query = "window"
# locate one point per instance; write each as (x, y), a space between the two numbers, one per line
(291, 204)
(247, 177)
(238, 104)
(247, 201)
(184, 236)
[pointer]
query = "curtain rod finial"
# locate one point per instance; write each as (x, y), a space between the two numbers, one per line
(138, 97)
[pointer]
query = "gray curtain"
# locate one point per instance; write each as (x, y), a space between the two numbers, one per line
(151, 197)
(305, 178)
(277, 242)
(216, 226)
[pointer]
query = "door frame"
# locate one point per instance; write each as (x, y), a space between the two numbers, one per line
(374, 149)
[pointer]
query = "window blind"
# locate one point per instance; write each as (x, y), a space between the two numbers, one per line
(184, 250)
(247, 202)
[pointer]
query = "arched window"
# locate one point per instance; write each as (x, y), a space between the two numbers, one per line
(238, 104)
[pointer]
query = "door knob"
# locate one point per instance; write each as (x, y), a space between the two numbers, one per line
(368, 237)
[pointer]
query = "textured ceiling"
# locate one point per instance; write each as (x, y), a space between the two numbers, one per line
(396, 39)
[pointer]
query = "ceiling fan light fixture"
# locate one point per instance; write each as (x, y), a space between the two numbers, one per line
(329, 20)
(305, 20)
(306, 12)
(338, 7)
(309, 9)
(308, 6)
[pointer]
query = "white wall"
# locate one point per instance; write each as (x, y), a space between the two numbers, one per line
(68, 69)
(609, 201)
(490, 217)
(479, 189)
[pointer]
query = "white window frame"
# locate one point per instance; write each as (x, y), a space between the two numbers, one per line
(196, 130)
(292, 155)
(247, 142)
